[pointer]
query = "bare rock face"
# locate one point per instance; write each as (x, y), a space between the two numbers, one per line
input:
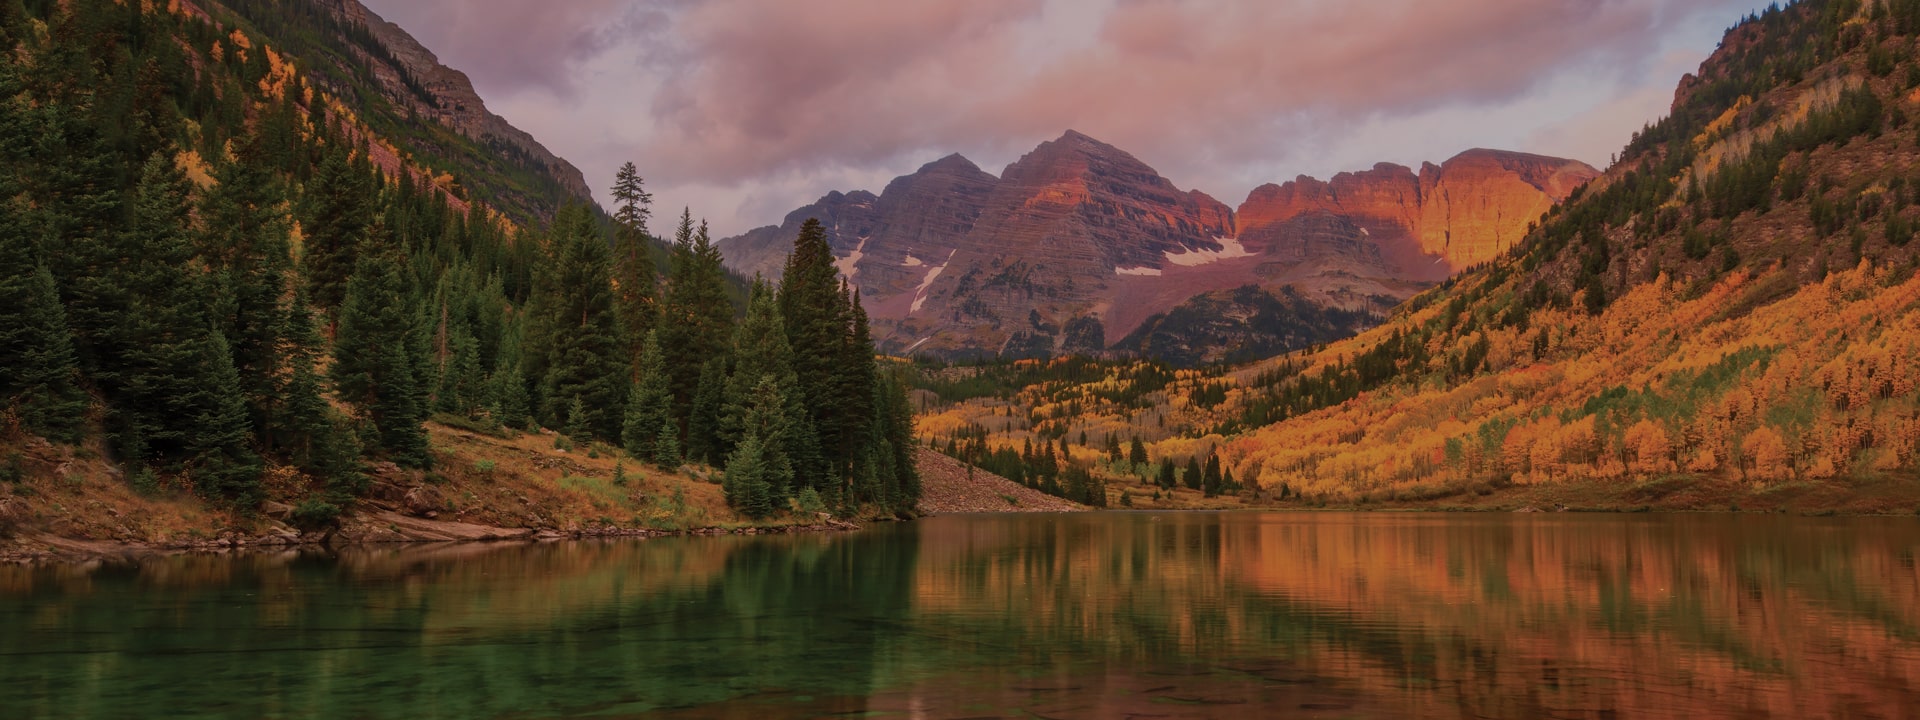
(1080, 247)
(1480, 203)
(1451, 216)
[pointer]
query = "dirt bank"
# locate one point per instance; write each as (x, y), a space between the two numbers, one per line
(950, 486)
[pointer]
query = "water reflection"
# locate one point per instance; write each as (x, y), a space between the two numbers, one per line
(1098, 615)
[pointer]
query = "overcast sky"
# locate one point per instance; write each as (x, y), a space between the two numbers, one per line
(746, 109)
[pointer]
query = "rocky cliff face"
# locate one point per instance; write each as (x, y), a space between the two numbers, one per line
(1448, 217)
(1079, 244)
(1480, 203)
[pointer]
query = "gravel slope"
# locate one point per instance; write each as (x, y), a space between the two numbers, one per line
(946, 486)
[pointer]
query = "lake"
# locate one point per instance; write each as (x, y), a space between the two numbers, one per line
(1089, 615)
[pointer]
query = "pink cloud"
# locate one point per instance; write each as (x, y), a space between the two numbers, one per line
(750, 100)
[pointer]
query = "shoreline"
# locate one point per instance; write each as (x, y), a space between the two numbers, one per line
(49, 549)
(52, 550)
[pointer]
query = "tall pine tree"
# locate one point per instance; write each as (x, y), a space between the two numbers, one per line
(574, 303)
(761, 356)
(168, 374)
(372, 368)
(635, 299)
(246, 242)
(696, 319)
(36, 346)
(338, 205)
(704, 441)
(816, 313)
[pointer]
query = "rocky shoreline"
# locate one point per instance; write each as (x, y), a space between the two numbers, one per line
(398, 530)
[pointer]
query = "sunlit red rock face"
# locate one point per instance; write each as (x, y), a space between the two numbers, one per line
(1081, 247)
(1448, 217)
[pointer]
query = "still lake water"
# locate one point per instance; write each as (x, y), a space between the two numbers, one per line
(1062, 616)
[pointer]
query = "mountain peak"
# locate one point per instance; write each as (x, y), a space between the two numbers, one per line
(950, 163)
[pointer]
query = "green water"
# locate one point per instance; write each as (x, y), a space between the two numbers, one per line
(1058, 616)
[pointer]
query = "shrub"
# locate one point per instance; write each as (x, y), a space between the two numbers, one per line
(314, 514)
(808, 501)
(145, 482)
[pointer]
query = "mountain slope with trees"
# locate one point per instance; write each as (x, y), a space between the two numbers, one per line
(226, 285)
(1728, 316)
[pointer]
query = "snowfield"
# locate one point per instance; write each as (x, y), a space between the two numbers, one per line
(1230, 248)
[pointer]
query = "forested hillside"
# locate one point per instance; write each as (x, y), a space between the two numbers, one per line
(1730, 311)
(219, 279)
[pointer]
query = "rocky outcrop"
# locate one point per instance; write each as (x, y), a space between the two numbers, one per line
(1079, 243)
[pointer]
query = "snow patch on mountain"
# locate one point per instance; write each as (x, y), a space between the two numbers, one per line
(1230, 248)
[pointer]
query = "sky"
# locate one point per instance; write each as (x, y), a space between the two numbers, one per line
(746, 109)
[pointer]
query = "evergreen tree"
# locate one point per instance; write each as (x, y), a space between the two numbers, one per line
(634, 205)
(1137, 452)
(768, 476)
(696, 318)
(650, 404)
(246, 241)
(745, 482)
(75, 179)
(761, 352)
(40, 384)
(892, 446)
(372, 368)
(168, 374)
(1210, 482)
(817, 314)
(39, 369)
(512, 406)
(704, 443)
(575, 306)
(1192, 475)
(634, 298)
(338, 205)
(666, 445)
(507, 385)
(1165, 478)
(315, 437)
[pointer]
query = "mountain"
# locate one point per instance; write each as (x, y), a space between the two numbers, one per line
(1079, 247)
(386, 78)
(1728, 318)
